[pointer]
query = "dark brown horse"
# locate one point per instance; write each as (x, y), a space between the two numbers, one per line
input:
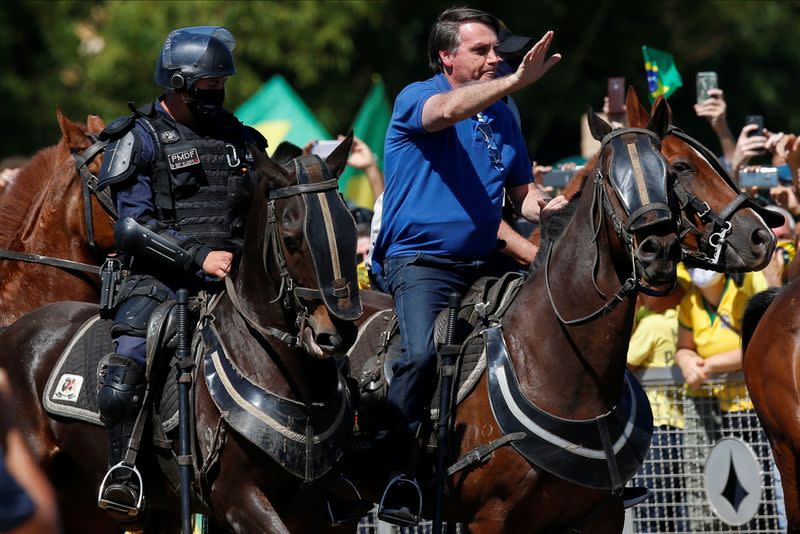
(42, 212)
(280, 336)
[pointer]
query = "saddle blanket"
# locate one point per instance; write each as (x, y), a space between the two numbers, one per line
(71, 389)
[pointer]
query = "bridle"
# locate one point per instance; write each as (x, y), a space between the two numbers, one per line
(290, 293)
(601, 210)
(89, 186)
(713, 238)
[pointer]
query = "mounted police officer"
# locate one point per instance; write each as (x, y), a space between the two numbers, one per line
(180, 167)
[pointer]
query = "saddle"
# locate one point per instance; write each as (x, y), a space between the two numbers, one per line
(485, 302)
(307, 441)
(603, 453)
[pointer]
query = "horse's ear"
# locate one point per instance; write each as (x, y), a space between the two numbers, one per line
(337, 160)
(637, 114)
(95, 124)
(270, 169)
(286, 152)
(597, 125)
(661, 117)
(72, 133)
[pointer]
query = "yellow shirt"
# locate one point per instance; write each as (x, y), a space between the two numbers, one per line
(713, 335)
(684, 278)
(653, 345)
(363, 276)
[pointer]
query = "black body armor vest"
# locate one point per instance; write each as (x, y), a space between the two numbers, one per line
(202, 183)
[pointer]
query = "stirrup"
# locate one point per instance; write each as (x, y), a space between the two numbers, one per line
(403, 516)
(106, 504)
(633, 495)
(346, 509)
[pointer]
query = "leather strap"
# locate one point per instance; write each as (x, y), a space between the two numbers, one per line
(47, 260)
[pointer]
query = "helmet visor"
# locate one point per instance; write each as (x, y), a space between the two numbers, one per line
(187, 46)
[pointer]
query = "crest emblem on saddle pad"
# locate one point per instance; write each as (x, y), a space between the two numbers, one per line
(68, 388)
(183, 159)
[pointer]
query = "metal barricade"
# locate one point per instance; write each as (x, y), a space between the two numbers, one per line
(370, 524)
(688, 427)
(710, 468)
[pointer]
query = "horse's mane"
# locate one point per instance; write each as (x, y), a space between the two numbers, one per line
(19, 198)
(557, 223)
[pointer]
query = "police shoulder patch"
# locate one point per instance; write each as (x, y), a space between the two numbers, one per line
(169, 136)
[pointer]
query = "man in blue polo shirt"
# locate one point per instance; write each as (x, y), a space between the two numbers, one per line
(452, 151)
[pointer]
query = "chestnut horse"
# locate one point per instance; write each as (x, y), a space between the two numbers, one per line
(747, 246)
(771, 365)
(722, 229)
(571, 371)
(42, 212)
(288, 309)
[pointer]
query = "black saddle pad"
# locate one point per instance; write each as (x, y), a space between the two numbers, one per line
(71, 389)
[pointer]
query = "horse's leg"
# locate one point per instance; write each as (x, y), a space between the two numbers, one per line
(248, 509)
(785, 459)
(238, 503)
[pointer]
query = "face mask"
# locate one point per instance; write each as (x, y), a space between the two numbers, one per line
(204, 103)
(703, 278)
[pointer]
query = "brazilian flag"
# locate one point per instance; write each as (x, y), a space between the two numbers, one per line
(370, 125)
(663, 77)
(279, 113)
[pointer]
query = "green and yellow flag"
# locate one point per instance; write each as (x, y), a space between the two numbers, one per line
(663, 77)
(279, 113)
(370, 126)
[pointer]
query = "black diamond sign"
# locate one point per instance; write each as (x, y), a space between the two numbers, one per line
(734, 492)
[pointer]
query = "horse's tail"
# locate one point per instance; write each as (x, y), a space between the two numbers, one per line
(756, 307)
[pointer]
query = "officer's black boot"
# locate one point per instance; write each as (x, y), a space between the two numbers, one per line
(119, 401)
(401, 502)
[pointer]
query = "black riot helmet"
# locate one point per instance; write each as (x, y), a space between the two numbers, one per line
(189, 54)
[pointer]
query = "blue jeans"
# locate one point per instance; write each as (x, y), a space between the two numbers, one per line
(421, 286)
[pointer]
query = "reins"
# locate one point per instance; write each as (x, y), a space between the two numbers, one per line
(630, 284)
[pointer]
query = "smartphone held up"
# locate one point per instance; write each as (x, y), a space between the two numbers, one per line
(758, 120)
(324, 148)
(705, 82)
(616, 95)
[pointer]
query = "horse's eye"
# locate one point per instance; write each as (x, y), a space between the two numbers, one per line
(682, 167)
(291, 244)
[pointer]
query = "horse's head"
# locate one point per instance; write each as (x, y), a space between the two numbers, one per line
(302, 237)
(92, 214)
(633, 175)
(721, 228)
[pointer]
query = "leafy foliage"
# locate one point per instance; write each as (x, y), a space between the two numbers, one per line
(93, 57)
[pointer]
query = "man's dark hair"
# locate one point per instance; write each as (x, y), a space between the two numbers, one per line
(444, 33)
